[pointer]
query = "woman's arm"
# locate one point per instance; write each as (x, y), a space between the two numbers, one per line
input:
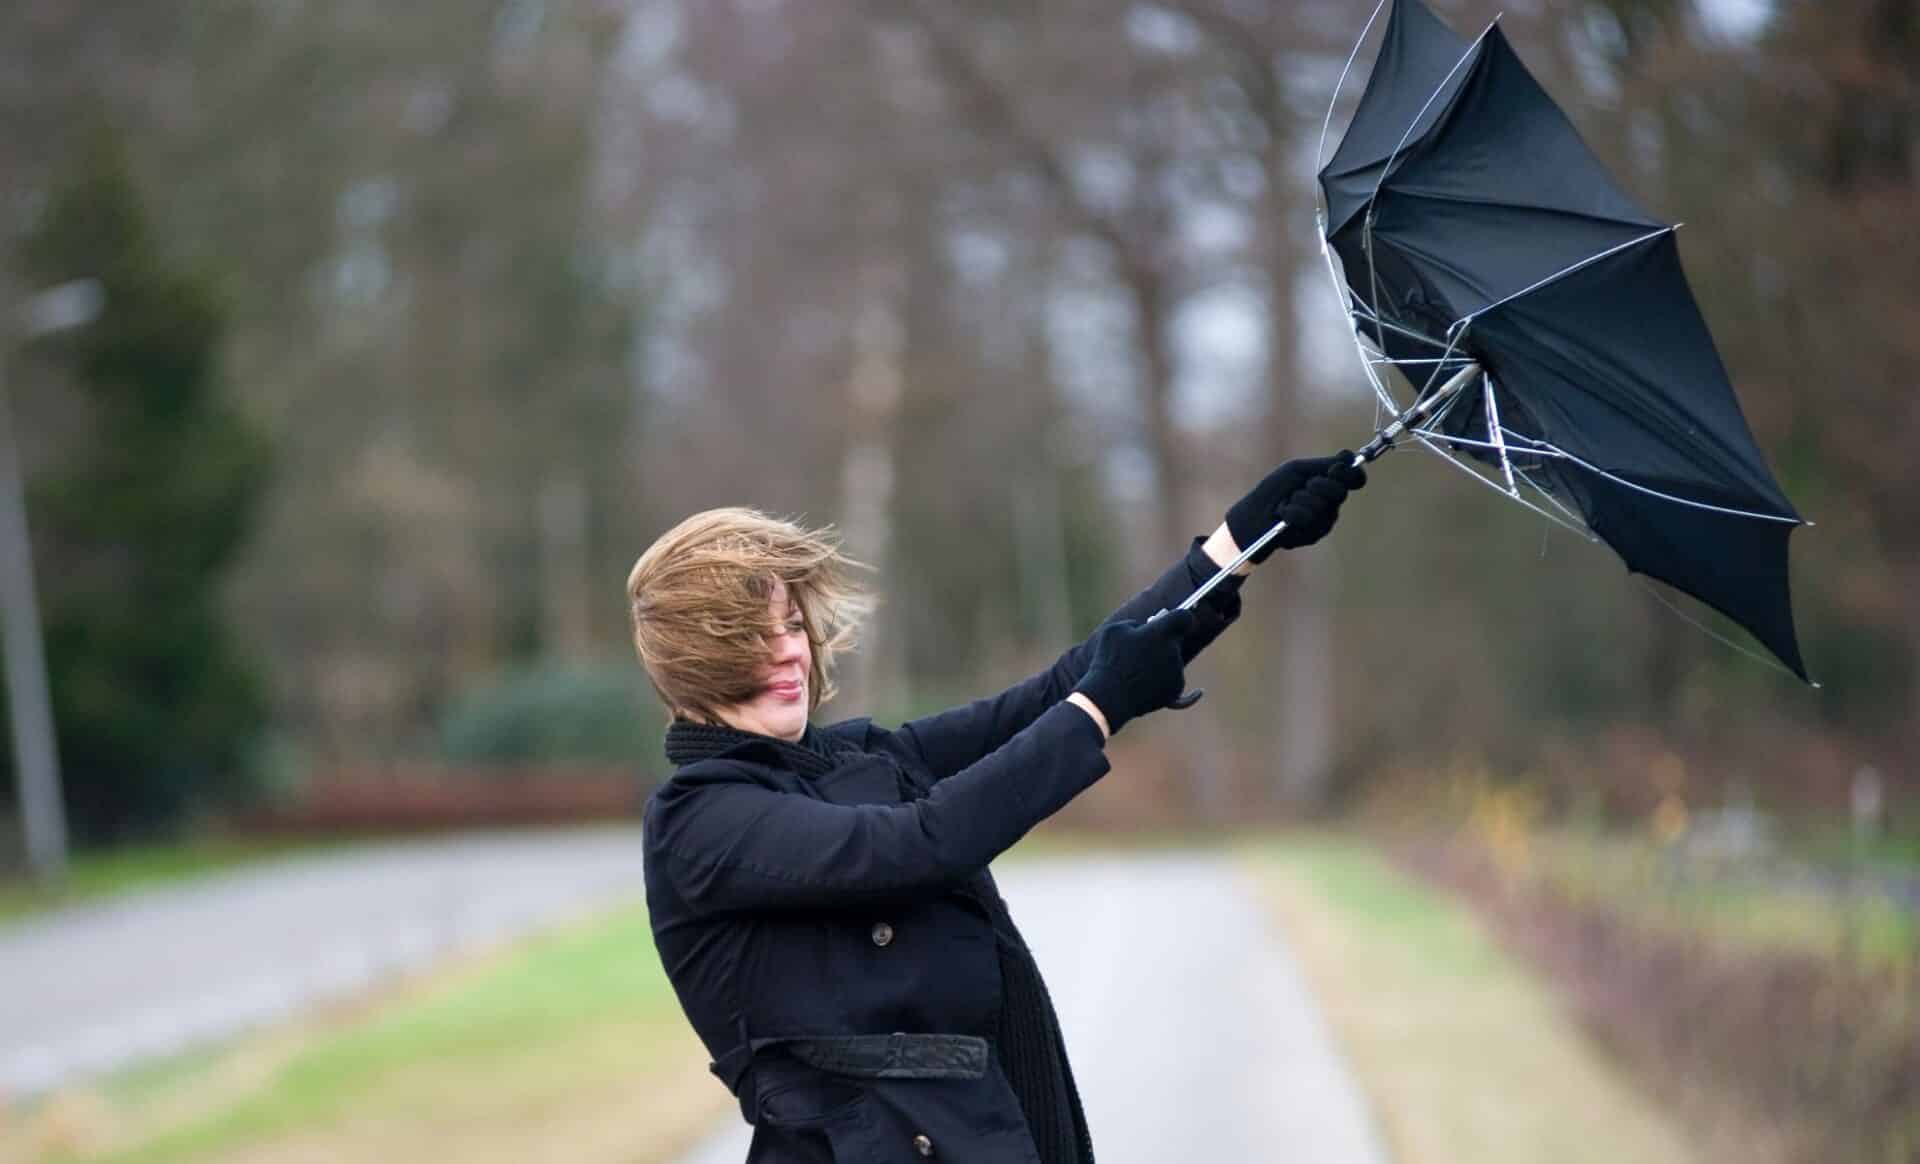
(730, 844)
(1306, 494)
(948, 741)
(1093, 712)
(726, 842)
(1220, 548)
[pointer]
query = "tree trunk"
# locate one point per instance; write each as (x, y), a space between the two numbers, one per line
(1303, 616)
(565, 569)
(874, 387)
(1166, 516)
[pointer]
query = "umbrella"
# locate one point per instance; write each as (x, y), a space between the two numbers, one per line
(1543, 317)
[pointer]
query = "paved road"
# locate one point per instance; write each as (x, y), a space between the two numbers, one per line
(1195, 1042)
(98, 987)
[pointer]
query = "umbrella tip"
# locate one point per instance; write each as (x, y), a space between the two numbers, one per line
(1815, 684)
(1808, 524)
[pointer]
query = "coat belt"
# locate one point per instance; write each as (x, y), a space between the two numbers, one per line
(895, 1056)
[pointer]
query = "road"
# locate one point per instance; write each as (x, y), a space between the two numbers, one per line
(1238, 1063)
(97, 987)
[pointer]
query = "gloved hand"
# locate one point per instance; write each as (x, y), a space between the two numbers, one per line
(1136, 667)
(1306, 494)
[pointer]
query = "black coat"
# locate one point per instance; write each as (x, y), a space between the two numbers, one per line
(829, 932)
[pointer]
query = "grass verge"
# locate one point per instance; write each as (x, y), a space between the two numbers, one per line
(1779, 1035)
(1860, 927)
(1462, 1054)
(564, 1046)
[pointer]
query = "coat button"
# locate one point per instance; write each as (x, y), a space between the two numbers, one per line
(923, 1146)
(883, 936)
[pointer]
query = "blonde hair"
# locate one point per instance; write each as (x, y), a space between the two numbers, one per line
(698, 602)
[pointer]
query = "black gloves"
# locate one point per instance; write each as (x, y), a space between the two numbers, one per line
(1306, 494)
(1136, 667)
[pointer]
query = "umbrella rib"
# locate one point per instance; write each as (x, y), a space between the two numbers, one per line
(1723, 640)
(1400, 191)
(1373, 285)
(1426, 437)
(1565, 271)
(1321, 149)
(1543, 491)
(1382, 397)
(1487, 445)
(1345, 294)
(1493, 426)
(1453, 338)
(1669, 417)
(1539, 446)
(1374, 317)
(1373, 199)
(1441, 88)
(1522, 475)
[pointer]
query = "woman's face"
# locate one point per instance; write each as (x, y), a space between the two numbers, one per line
(779, 709)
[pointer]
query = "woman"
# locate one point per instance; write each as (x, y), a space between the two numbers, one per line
(820, 896)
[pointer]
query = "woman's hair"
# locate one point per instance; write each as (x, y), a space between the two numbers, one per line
(698, 600)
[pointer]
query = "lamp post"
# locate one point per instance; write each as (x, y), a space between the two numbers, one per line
(35, 759)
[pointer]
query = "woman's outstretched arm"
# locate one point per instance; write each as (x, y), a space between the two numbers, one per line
(726, 841)
(948, 741)
(1306, 494)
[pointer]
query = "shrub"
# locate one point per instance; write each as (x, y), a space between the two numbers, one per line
(559, 714)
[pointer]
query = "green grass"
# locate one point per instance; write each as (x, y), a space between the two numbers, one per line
(1656, 889)
(1463, 1054)
(549, 1033)
(94, 876)
(1894, 852)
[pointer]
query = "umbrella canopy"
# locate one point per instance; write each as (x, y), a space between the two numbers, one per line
(1473, 224)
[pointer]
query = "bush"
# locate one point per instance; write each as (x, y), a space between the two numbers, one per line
(597, 713)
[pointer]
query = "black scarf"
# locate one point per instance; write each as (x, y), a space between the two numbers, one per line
(815, 754)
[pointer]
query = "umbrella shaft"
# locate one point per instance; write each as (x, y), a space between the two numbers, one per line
(1422, 409)
(1373, 450)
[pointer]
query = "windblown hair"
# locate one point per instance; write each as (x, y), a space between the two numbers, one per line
(698, 600)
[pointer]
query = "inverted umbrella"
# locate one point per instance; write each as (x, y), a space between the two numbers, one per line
(1543, 317)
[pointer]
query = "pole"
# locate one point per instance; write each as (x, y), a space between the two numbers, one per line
(34, 757)
(43, 816)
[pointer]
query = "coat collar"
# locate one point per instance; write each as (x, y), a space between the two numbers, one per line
(815, 754)
(830, 767)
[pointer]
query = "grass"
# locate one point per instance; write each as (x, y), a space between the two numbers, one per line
(1462, 1053)
(568, 1045)
(95, 876)
(1866, 929)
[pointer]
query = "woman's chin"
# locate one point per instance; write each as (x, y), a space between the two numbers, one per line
(788, 721)
(788, 731)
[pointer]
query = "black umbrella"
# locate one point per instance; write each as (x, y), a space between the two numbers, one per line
(1544, 314)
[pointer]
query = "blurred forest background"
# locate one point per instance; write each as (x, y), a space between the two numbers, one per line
(419, 321)
(422, 320)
